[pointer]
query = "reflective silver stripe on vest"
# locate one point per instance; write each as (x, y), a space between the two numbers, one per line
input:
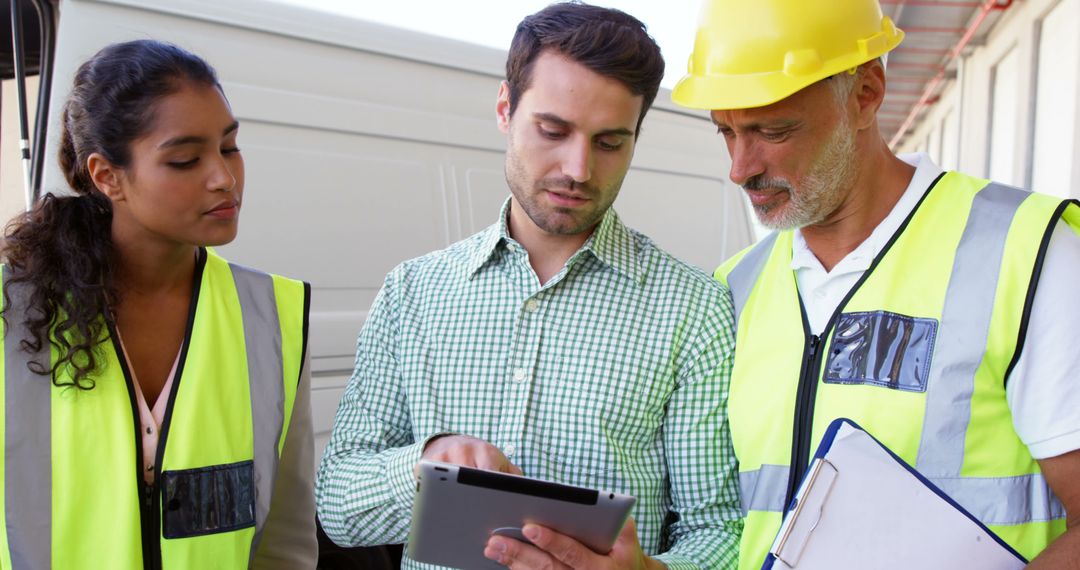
(964, 328)
(262, 339)
(763, 489)
(961, 346)
(1004, 500)
(745, 274)
(960, 349)
(27, 444)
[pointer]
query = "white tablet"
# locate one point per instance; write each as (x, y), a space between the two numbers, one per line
(458, 508)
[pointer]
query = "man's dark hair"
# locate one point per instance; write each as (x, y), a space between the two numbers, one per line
(609, 42)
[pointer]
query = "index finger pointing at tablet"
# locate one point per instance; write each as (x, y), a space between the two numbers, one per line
(468, 452)
(491, 458)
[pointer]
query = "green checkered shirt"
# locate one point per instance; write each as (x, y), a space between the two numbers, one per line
(613, 375)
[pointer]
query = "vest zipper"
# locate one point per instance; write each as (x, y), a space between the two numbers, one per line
(149, 505)
(153, 530)
(149, 511)
(145, 493)
(151, 539)
(150, 495)
(806, 396)
(804, 414)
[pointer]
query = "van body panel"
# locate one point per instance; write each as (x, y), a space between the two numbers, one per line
(366, 145)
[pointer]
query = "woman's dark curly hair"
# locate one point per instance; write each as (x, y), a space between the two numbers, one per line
(62, 249)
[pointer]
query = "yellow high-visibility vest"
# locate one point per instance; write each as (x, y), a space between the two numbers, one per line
(71, 475)
(918, 354)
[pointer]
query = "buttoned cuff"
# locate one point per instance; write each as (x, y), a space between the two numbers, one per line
(401, 470)
(401, 475)
(676, 561)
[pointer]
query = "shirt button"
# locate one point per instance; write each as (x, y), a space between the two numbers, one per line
(150, 467)
(509, 450)
(532, 305)
(149, 430)
(519, 374)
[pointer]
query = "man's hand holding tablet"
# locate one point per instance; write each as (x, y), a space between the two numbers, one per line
(550, 549)
(487, 518)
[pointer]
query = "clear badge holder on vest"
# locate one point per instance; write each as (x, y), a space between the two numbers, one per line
(882, 349)
(208, 500)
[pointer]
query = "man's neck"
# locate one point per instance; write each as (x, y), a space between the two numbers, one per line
(882, 180)
(548, 253)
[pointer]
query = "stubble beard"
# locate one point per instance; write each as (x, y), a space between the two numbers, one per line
(822, 191)
(553, 220)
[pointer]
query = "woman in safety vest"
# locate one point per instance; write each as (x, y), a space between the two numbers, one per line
(154, 404)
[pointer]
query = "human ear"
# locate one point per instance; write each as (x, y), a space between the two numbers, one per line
(502, 107)
(869, 93)
(106, 176)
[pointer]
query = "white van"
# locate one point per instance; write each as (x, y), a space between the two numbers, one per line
(367, 145)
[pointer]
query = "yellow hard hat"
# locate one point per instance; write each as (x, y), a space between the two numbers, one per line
(750, 53)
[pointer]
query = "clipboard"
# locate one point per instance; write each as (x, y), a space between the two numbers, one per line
(861, 506)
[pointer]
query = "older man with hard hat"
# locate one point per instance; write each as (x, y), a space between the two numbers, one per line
(935, 309)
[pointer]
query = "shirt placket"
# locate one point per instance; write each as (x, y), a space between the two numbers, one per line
(522, 362)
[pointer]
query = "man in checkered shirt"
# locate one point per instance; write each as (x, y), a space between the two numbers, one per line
(557, 343)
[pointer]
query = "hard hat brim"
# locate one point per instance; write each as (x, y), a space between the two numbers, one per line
(746, 91)
(737, 92)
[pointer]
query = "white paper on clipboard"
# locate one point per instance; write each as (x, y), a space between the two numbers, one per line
(859, 507)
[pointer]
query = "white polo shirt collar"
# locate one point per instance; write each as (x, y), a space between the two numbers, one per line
(822, 290)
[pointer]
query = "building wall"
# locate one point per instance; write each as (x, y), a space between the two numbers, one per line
(1012, 112)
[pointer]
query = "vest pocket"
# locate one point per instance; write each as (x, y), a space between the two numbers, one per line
(883, 349)
(208, 500)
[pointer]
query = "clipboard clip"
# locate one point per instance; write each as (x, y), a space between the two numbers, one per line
(801, 521)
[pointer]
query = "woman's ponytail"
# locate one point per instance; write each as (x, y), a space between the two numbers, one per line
(62, 249)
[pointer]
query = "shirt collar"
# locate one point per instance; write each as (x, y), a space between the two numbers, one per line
(615, 246)
(612, 244)
(489, 240)
(863, 256)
